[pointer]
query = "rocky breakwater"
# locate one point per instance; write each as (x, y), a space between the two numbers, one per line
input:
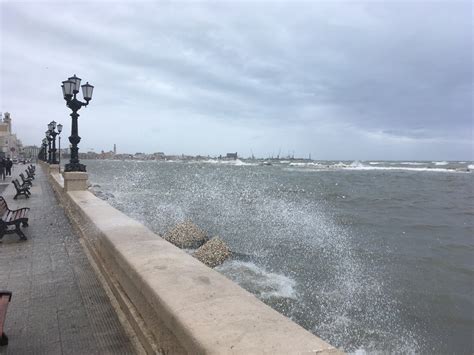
(95, 189)
(213, 253)
(187, 235)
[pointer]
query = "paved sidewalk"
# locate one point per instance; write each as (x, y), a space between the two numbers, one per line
(58, 304)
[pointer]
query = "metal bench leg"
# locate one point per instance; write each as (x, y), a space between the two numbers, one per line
(3, 231)
(5, 298)
(3, 340)
(20, 232)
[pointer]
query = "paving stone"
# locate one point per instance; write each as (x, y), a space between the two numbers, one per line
(58, 304)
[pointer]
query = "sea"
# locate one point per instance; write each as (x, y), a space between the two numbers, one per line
(371, 256)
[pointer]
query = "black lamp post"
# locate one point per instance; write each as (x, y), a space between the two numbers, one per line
(53, 134)
(60, 128)
(42, 151)
(70, 89)
(49, 139)
(44, 155)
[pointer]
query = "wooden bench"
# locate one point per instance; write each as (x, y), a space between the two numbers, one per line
(30, 174)
(26, 180)
(12, 218)
(26, 185)
(5, 298)
(21, 189)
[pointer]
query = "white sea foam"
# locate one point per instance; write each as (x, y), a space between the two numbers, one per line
(239, 162)
(259, 281)
(440, 163)
(236, 162)
(311, 164)
(374, 163)
(399, 168)
(412, 163)
(356, 165)
(470, 166)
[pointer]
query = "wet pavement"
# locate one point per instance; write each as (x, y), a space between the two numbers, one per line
(59, 305)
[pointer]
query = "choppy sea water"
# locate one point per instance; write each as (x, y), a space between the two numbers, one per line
(370, 256)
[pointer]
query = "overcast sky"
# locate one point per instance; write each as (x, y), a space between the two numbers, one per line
(339, 80)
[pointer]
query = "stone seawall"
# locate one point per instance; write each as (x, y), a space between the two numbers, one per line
(175, 303)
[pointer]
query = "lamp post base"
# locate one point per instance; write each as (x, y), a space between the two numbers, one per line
(53, 168)
(75, 181)
(75, 167)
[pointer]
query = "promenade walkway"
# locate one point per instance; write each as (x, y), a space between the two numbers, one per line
(58, 305)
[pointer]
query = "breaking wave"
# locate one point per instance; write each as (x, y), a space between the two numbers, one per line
(412, 163)
(310, 164)
(236, 162)
(357, 165)
(258, 281)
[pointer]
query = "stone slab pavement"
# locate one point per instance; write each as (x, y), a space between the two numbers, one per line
(59, 305)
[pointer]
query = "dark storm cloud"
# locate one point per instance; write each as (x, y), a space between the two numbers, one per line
(369, 70)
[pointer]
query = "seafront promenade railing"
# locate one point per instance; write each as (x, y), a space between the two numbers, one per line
(175, 304)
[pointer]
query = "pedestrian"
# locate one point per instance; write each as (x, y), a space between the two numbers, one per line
(8, 167)
(2, 168)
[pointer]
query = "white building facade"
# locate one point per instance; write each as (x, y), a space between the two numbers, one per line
(10, 145)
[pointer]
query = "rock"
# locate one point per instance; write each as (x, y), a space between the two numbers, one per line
(101, 194)
(186, 235)
(213, 253)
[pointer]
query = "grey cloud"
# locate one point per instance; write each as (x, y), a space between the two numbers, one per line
(402, 69)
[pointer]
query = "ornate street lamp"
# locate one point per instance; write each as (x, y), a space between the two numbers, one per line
(60, 128)
(45, 149)
(42, 153)
(70, 89)
(49, 139)
(53, 134)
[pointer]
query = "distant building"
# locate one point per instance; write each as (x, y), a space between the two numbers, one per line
(10, 145)
(158, 155)
(231, 156)
(106, 155)
(88, 155)
(31, 152)
(140, 156)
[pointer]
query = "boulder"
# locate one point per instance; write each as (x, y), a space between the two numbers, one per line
(213, 253)
(186, 235)
(99, 193)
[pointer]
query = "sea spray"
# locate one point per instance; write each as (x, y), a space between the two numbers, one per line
(259, 281)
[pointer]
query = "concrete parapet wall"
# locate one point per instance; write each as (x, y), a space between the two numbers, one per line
(176, 304)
